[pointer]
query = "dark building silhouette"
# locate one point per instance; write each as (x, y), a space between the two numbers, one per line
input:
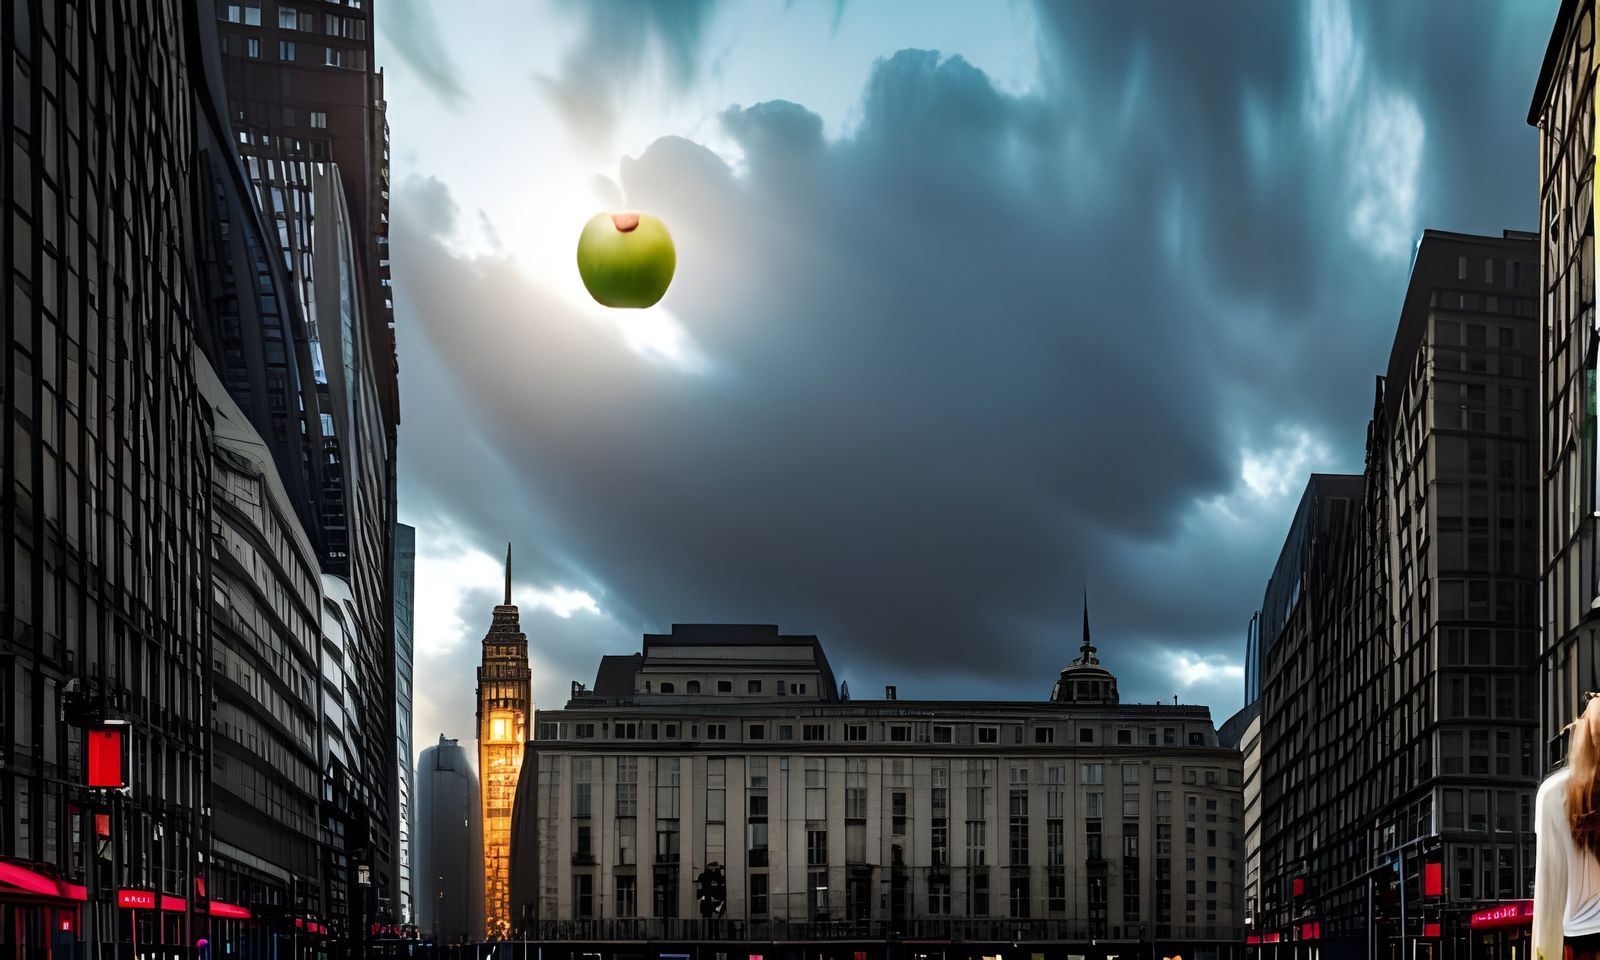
(448, 844)
(1563, 109)
(315, 370)
(105, 480)
(1398, 735)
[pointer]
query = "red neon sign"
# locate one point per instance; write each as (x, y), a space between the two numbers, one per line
(1253, 938)
(1430, 929)
(1505, 915)
(1270, 938)
(136, 899)
(1433, 880)
(174, 904)
(106, 758)
(1299, 886)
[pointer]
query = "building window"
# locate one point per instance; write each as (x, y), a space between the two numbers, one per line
(814, 731)
(1093, 773)
(855, 732)
(319, 120)
(252, 13)
(900, 733)
(627, 897)
(943, 733)
(816, 847)
(667, 687)
(855, 789)
(1086, 735)
(988, 734)
(288, 19)
(1020, 897)
(692, 687)
(583, 896)
(724, 686)
(897, 813)
(753, 686)
(783, 688)
(716, 731)
(252, 45)
(1044, 735)
(758, 731)
(800, 689)
(625, 731)
(1124, 737)
(758, 895)
(939, 896)
(1130, 774)
(286, 50)
(785, 731)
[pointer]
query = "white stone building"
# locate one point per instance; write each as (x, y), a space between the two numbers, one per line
(1073, 818)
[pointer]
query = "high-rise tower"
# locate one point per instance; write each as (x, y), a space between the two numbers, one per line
(505, 703)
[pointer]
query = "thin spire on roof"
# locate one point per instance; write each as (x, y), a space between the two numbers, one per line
(508, 573)
(1087, 649)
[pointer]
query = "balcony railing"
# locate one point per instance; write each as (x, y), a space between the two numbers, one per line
(926, 928)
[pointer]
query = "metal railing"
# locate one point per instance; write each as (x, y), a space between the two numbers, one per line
(948, 928)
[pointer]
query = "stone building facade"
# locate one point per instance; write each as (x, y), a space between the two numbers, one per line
(1078, 818)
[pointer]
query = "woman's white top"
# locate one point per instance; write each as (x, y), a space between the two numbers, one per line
(1566, 880)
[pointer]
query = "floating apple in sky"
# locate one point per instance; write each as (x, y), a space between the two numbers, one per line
(626, 259)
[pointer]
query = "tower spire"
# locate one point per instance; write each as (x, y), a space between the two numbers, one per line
(508, 579)
(1087, 648)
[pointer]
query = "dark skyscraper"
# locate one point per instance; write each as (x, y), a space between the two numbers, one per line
(449, 867)
(105, 492)
(317, 375)
(1397, 702)
(1563, 109)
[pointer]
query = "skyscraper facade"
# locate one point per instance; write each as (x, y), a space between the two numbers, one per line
(405, 583)
(318, 374)
(449, 835)
(1563, 109)
(1398, 704)
(266, 610)
(105, 479)
(505, 708)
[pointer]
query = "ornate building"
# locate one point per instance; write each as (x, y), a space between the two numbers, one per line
(505, 701)
(721, 785)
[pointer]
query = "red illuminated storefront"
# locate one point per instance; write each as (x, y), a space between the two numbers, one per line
(38, 912)
(1503, 932)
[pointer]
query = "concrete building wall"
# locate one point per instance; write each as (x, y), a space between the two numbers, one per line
(832, 821)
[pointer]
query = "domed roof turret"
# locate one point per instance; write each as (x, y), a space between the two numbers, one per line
(1084, 680)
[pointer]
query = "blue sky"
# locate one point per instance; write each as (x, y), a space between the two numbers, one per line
(977, 303)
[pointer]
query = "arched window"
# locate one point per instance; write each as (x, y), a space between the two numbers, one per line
(692, 687)
(666, 687)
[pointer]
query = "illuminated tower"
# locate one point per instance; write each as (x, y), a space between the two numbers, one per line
(505, 702)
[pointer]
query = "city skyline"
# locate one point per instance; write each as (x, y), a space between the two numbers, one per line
(1227, 226)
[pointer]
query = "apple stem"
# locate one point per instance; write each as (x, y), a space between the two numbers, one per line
(625, 222)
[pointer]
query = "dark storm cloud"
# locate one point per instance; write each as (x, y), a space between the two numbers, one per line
(986, 348)
(413, 33)
(618, 37)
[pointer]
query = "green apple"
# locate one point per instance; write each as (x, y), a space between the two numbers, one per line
(626, 259)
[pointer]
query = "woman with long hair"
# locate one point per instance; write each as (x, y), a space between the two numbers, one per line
(1566, 884)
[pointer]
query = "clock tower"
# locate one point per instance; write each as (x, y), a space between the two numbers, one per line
(505, 707)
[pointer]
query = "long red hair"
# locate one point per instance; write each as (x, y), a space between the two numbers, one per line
(1583, 790)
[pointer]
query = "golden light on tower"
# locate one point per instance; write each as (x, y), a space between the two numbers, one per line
(505, 701)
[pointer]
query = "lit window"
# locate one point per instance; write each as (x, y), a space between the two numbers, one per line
(252, 14)
(286, 50)
(319, 120)
(252, 45)
(287, 18)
